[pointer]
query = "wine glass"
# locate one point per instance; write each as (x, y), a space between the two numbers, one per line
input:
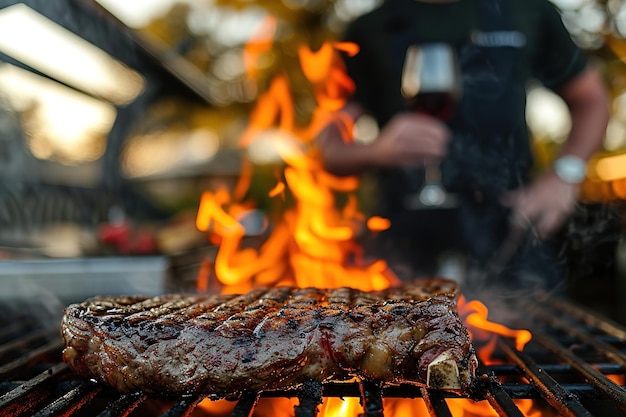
(431, 85)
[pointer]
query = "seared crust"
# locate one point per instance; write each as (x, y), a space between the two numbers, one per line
(268, 338)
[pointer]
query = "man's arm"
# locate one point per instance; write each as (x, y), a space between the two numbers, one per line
(588, 102)
(408, 139)
(547, 202)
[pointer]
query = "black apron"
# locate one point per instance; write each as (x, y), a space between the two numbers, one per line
(489, 154)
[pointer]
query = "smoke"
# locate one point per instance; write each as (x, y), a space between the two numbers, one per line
(24, 298)
(589, 240)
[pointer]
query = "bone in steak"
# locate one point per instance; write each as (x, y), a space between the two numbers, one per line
(271, 338)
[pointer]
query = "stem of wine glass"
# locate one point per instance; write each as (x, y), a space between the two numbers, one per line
(432, 171)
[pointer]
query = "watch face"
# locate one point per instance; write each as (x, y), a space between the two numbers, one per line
(570, 169)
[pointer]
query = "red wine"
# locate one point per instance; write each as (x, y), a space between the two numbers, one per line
(437, 104)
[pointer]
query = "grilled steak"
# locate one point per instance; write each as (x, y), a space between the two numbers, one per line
(271, 338)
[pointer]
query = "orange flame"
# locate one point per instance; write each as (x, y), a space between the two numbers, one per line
(618, 379)
(260, 43)
(340, 407)
(279, 189)
(351, 406)
(470, 408)
(311, 243)
(217, 408)
(483, 331)
(378, 224)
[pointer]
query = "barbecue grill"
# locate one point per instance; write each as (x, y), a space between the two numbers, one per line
(575, 365)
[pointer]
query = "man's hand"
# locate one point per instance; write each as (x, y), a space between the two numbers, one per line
(408, 139)
(542, 206)
(411, 138)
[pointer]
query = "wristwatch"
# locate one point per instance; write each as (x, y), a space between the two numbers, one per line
(570, 169)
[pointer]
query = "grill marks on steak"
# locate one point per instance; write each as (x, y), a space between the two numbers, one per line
(267, 338)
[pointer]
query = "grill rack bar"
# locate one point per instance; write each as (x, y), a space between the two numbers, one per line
(310, 396)
(72, 400)
(613, 392)
(610, 389)
(513, 390)
(15, 326)
(24, 340)
(589, 318)
(245, 405)
(502, 402)
(559, 398)
(32, 384)
(32, 356)
(184, 406)
(124, 405)
(540, 312)
(435, 403)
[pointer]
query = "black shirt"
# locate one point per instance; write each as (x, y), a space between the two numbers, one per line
(502, 44)
(549, 55)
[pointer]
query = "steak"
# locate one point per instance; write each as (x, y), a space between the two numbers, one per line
(271, 338)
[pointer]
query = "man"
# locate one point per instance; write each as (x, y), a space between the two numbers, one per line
(485, 150)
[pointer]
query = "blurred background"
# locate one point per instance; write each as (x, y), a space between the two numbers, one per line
(116, 115)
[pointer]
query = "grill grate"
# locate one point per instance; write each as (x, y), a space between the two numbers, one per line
(569, 369)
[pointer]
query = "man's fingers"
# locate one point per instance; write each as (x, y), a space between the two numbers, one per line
(520, 220)
(432, 127)
(551, 221)
(523, 215)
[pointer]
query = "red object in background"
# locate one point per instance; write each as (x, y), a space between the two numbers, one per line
(127, 239)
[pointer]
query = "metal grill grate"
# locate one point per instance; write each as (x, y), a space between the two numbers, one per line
(570, 368)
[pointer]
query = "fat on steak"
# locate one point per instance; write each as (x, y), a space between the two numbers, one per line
(271, 338)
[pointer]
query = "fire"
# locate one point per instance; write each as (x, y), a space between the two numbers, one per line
(618, 379)
(312, 244)
(340, 407)
(217, 408)
(484, 332)
(378, 224)
(351, 406)
(469, 408)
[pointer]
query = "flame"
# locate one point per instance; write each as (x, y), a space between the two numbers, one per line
(202, 283)
(340, 407)
(260, 43)
(378, 224)
(619, 379)
(470, 408)
(351, 406)
(484, 332)
(312, 243)
(279, 189)
(275, 407)
(217, 408)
